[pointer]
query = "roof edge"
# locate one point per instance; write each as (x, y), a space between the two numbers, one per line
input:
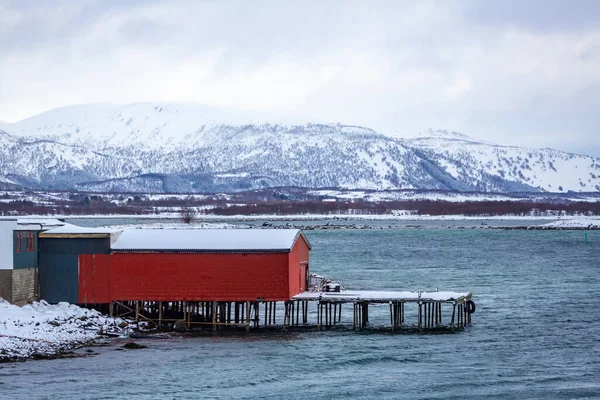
(214, 251)
(74, 235)
(303, 236)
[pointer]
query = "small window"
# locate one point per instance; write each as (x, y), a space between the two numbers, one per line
(30, 242)
(19, 244)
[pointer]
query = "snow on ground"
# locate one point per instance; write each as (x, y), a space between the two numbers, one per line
(575, 222)
(43, 329)
(408, 195)
(395, 215)
(174, 225)
(212, 221)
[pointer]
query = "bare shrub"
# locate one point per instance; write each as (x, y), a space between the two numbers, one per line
(188, 215)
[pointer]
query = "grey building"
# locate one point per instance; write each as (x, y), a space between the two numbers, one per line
(19, 258)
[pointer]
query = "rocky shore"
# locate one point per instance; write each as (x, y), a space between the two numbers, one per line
(43, 331)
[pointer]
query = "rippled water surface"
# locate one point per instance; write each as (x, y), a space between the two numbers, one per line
(536, 332)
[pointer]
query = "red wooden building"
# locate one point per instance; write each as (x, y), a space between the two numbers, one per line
(225, 265)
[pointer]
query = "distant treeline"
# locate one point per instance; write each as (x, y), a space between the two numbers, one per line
(88, 205)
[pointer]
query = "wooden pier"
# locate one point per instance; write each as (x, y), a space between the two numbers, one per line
(429, 308)
(408, 311)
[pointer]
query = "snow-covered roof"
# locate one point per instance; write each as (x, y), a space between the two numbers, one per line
(68, 229)
(38, 223)
(206, 240)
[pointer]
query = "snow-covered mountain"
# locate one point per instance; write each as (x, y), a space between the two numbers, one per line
(151, 147)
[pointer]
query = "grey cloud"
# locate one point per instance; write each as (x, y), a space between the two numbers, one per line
(515, 72)
(535, 15)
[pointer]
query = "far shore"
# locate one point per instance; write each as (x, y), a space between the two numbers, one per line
(331, 221)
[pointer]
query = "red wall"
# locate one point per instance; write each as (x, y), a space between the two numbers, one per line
(193, 276)
(298, 263)
(199, 276)
(94, 282)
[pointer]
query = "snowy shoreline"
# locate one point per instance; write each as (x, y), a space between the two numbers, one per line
(531, 223)
(399, 215)
(42, 331)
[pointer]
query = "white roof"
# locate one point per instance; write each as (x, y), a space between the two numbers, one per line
(68, 229)
(381, 296)
(207, 239)
(40, 221)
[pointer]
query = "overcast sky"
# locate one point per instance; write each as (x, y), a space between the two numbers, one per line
(513, 72)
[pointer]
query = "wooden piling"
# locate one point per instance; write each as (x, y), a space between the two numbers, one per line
(247, 307)
(213, 313)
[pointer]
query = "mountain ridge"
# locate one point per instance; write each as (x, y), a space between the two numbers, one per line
(158, 147)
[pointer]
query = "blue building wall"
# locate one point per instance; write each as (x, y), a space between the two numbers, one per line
(25, 249)
(59, 265)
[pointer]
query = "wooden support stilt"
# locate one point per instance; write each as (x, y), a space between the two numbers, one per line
(247, 307)
(160, 314)
(360, 315)
(319, 312)
(213, 313)
(430, 311)
(266, 321)
(469, 317)
(297, 312)
(403, 313)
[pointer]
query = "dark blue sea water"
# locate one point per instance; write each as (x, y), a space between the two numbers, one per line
(535, 334)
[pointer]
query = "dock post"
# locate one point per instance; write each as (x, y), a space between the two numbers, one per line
(430, 314)
(247, 306)
(469, 316)
(420, 325)
(266, 313)
(286, 307)
(186, 314)
(304, 312)
(214, 315)
(160, 315)
(319, 315)
(453, 313)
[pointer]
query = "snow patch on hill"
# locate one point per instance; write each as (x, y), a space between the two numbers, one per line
(166, 148)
